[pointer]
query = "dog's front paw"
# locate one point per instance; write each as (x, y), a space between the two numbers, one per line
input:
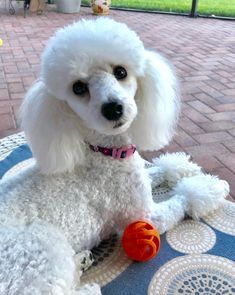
(88, 289)
(204, 193)
(159, 223)
(84, 260)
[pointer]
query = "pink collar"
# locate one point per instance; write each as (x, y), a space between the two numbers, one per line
(117, 153)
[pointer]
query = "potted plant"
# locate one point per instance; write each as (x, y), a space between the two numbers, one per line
(68, 6)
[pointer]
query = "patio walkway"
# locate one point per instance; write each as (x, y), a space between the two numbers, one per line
(202, 51)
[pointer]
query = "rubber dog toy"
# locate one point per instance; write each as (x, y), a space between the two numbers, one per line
(140, 241)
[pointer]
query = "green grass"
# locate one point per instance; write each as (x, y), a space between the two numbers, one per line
(206, 7)
(217, 7)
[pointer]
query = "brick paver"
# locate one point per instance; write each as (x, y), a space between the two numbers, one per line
(202, 51)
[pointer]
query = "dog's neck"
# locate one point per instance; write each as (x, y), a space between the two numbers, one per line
(108, 141)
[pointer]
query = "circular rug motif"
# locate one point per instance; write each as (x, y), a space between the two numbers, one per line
(161, 193)
(191, 237)
(195, 274)
(109, 262)
(223, 219)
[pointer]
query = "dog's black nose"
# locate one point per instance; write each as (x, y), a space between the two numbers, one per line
(112, 111)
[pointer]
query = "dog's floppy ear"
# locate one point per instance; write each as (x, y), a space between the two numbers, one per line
(52, 131)
(158, 105)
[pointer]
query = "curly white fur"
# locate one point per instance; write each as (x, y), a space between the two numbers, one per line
(204, 193)
(72, 197)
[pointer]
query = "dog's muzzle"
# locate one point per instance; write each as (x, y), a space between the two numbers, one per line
(112, 111)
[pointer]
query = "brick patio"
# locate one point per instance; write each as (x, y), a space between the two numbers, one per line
(202, 51)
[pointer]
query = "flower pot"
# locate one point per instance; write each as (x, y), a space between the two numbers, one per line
(100, 7)
(68, 6)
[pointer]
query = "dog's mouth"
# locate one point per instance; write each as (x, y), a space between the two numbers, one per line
(118, 124)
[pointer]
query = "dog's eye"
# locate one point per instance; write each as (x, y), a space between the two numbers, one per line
(120, 72)
(80, 88)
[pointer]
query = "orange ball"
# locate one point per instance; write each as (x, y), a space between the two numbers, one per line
(140, 241)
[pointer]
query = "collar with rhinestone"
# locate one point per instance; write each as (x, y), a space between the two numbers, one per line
(116, 153)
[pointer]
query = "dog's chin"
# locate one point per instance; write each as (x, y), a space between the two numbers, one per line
(116, 128)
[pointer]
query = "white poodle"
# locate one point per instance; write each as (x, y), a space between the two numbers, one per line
(100, 94)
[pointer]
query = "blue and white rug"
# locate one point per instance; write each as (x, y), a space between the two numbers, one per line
(196, 257)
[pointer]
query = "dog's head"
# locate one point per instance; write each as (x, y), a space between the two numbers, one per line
(94, 66)
(97, 74)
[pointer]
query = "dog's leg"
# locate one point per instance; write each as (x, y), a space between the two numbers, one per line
(167, 214)
(172, 168)
(37, 259)
(195, 196)
(88, 289)
(204, 193)
(83, 260)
